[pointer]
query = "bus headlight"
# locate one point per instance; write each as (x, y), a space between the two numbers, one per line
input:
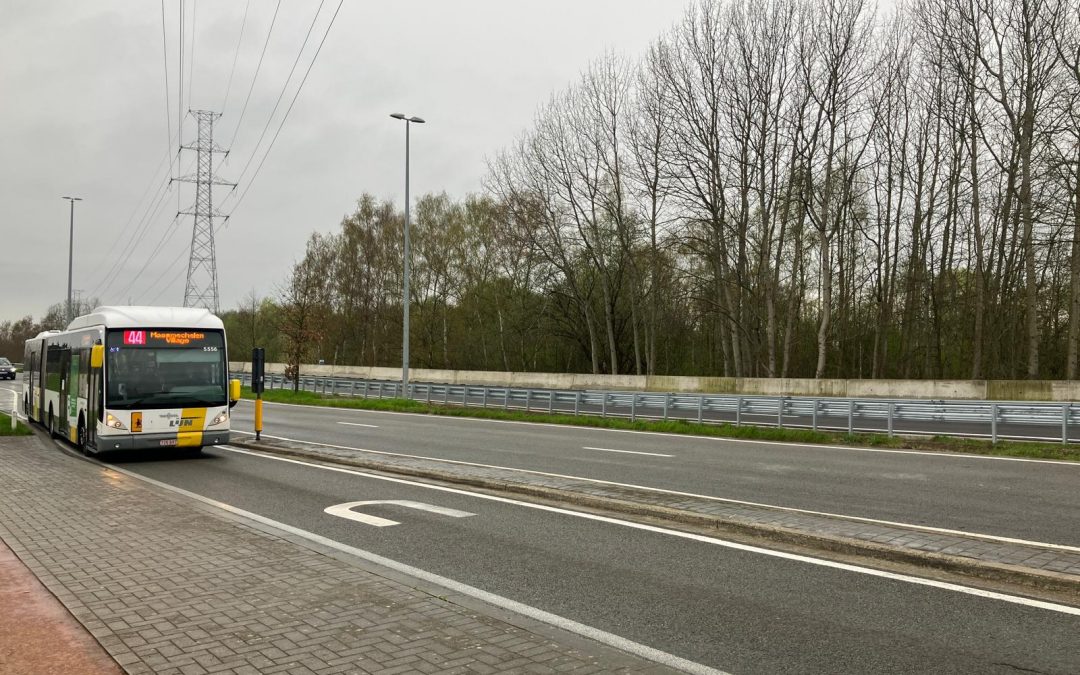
(114, 423)
(220, 419)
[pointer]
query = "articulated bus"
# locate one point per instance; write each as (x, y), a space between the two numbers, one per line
(132, 378)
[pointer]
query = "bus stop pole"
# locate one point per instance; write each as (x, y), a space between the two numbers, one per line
(258, 376)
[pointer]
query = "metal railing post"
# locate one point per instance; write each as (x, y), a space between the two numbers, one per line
(427, 391)
(528, 400)
(366, 385)
(892, 410)
(993, 422)
(813, 415)
(506, 398)
(738, 411)
(633, 407)
(446, 394)
(667, 397)
(780, 412)
(700, 408)
(485, 395)
(551, 401)
(353, 392)
(465, 396)
(577, 403)
(851, 416)
(1065, 423)
(603, 404)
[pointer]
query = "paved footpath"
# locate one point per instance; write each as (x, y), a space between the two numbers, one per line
(167, 585)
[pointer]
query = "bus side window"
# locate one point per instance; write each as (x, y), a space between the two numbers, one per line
(84, 372)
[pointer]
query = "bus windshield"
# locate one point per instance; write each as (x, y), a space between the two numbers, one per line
(165, 368)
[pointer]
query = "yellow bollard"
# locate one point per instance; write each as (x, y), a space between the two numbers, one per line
(258, 416)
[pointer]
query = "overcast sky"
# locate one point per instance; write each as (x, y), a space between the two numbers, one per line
(83, 113)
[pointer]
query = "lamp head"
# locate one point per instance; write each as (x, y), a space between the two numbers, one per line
(397, 116)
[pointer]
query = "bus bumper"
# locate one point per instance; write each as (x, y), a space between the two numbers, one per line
(156, 441)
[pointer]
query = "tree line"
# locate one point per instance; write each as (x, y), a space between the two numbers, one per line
(15, 333)
(777, 188)
(788, 188)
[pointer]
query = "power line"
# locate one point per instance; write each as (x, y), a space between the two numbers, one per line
(117, 267)
(131, 218)
(180, 97)
(149, 217)
(256, 76)
(287, 111)
(171, 281)
(284, 87)
(191, 69)
(236, 54)
(168, 105)
(170, 231)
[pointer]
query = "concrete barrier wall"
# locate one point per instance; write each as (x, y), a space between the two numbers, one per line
(993, 390)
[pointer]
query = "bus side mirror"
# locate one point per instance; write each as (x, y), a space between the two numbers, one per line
(234, 392)
(97, 356)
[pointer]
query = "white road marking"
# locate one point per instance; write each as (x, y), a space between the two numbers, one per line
(628, 452)
(358, 424)
(719, 439)
(14, 398)
(790, 509)
(978, 592)
(569, 625)
(346, 511)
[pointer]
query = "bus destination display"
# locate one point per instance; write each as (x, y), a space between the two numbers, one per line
(163, 338)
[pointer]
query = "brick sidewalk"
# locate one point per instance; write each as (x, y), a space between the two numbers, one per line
(1023, 563)
(169, 587)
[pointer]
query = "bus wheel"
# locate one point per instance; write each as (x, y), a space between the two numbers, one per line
(52, 427)
(83, 447)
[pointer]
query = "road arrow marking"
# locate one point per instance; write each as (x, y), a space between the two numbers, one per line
(346, 511)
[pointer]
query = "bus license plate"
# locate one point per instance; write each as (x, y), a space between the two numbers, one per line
(169, 441)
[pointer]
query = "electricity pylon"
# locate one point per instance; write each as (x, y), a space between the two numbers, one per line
(201, 289)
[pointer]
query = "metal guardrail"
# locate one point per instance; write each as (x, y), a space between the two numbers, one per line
(996, 419)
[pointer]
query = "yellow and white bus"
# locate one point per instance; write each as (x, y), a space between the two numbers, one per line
(132, 378)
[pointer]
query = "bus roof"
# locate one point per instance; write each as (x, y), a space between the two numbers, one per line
(148, 317)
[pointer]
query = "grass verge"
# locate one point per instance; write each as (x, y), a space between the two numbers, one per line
(6, 430)
(1024, 449)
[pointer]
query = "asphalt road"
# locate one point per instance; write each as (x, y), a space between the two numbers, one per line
(740, 611)
(1032, 500)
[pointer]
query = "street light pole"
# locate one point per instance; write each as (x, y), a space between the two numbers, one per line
(405, 291)
(71, 248)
